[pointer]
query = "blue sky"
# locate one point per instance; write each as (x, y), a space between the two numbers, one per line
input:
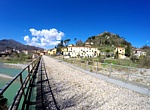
(44, 22)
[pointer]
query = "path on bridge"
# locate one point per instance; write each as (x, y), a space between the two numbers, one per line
(76, 90)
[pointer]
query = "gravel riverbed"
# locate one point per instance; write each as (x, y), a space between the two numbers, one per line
(76, 90)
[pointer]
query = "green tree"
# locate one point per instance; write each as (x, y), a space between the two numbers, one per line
(93, 37)
(59, 46)
(80, 43)
(128, 51)
(66, 42)
(75, 39)
(107, 52)
(116, 55)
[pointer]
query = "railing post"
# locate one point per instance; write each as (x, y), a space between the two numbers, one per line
(28, 69)
(21, 81)
(32, 66)
(96, 67)
(128, 73)
(148, 92)
(110, 70)
(87, 65)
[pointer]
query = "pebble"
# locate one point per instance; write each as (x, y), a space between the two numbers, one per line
(75, 90)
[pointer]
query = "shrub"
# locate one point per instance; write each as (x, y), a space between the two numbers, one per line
(144, 62)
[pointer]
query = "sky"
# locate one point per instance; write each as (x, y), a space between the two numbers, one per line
(44, 23)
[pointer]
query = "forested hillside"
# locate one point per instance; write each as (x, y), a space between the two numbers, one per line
(108, 41)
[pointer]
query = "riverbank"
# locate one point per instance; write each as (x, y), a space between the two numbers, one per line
(12, 65)
(5, 76)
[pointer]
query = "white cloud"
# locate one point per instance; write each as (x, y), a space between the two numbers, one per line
(147, 41)
(26, 38)
(34, 39)
(44, 37)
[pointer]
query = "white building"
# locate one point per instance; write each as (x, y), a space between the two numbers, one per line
(139, 53)
(25, 52)
(82, 51)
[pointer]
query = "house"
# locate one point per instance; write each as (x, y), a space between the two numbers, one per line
(81, 51)
(52, 51)
(64, 49)
(120, 51)
(138, 53)
(71, 45)
(88, 44)
(25, 52)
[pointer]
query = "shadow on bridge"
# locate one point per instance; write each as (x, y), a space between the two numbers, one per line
(40, 95)
(35, 92)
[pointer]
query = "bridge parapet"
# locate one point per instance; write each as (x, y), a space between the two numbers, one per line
(31, 67)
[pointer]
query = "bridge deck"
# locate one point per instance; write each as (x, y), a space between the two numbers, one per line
(76, 90)
(40, 94)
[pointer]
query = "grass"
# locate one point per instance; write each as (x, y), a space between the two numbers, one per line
(9, 61)
(15, 60)
(123, 62)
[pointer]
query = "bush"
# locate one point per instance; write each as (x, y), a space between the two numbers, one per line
(144, 62)
(6, 58)
(134, 59)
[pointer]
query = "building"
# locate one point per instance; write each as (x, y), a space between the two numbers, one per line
(64, 49)
(25, 52)
(52, 51)
(88, 44)
(81, 51)
(138, 53)
(120, 51)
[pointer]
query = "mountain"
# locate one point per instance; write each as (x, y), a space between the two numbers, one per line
(12, 44)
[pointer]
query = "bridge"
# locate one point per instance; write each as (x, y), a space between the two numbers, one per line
(55, 85)
(35, 91)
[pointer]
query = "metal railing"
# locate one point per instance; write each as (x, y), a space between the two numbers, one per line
(24, 83)
(136, 76)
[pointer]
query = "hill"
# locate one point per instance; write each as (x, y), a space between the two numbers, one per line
(12, 44)
(107, 41)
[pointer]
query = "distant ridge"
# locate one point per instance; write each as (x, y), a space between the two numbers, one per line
(12, 44)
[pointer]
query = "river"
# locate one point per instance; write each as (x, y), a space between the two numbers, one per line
(6, 74)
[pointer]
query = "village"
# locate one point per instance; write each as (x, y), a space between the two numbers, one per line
(73, 51)
(87, 51)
